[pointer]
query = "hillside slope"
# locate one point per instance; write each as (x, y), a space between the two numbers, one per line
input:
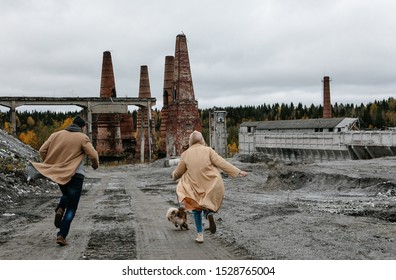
(14, 186)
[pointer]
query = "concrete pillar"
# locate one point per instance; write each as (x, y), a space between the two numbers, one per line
(13, 117)
(88, 115)
(144, 119)
(149, 127)
(142, 137)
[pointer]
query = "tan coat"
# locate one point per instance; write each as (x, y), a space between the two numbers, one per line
(62, 153)
(201, 185)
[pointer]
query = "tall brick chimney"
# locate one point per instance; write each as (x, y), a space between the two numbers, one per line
(145, 114)
(168, 80)
(144, 83)
(183, 84)
(106, 128)
(107, 84)
(167, 99)
(182, 107)
(326, 98)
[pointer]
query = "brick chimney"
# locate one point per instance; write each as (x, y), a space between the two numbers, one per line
(168, 80)
(144, 83)
(167, 98)
(183, 84)
(326, 98)
(107, 84)
(182, 107)
(106, 128)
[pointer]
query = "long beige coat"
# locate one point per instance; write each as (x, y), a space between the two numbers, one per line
(201, 185)
(62, 153)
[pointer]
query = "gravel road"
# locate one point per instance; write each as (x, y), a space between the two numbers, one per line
(281, 211)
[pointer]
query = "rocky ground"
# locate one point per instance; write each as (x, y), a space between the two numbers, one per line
(13, 184)
(343, 210)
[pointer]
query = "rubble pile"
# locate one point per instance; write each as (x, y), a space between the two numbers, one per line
(14, 186)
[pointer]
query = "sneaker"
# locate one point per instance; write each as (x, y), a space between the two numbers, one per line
(212, 224)
(61, 241)
(58, 217)
(199, 238)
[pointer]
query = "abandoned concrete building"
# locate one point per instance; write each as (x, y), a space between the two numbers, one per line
(325, 138)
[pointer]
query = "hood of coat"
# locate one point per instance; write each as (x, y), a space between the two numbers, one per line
(73, 128)
(196, 137)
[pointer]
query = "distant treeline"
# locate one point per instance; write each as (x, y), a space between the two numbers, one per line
(34, 127)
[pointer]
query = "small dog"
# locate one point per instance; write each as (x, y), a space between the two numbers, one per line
(178, 217)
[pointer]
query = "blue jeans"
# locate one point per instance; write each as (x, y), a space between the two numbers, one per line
(198, 219)
(69, 200)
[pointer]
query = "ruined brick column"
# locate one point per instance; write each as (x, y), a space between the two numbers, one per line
(167, 94)
(106, 127)
(326, 98)
(145, 127)
(127, 135)
(183, 114)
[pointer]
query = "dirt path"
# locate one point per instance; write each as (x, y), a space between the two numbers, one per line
(115, 220)
(329, 211)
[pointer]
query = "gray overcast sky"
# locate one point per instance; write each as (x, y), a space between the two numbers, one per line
(241, 52)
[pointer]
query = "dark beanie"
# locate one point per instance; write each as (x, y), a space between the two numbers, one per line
(79, 121)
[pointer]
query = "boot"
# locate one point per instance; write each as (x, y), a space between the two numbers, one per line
(58, 217)
(199, 238)
(61, 241)
(212, 224)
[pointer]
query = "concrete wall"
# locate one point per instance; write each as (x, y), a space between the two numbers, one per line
(322, 146)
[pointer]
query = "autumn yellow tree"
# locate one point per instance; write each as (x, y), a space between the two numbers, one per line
(232, 149)
(30, 122)
(65, 123)
(30, 138)
(8, 127)
(391, 114)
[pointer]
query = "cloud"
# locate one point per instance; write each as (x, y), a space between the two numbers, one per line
(241, 52)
